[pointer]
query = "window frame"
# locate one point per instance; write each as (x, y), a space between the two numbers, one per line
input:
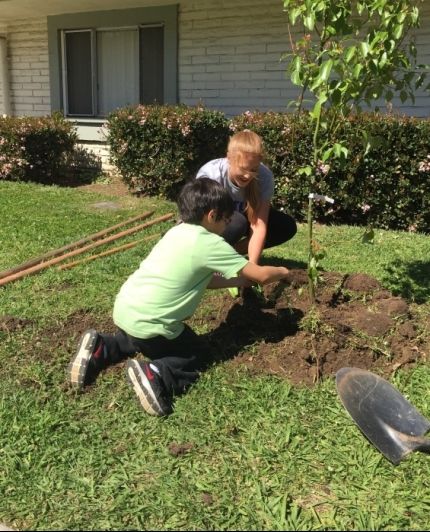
(140, 17)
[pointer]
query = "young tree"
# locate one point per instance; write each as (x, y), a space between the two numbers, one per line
(351, 52)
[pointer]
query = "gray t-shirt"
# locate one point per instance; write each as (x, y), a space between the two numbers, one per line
(217, 169)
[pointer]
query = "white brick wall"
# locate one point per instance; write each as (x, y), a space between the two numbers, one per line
(229, 58)
(100, 151)
(29, 69)
(229, 55)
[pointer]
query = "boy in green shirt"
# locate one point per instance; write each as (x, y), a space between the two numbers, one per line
(153, 303)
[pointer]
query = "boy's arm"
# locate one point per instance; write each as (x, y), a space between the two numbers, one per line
(218, 281)
(250, 275)
(264, 274)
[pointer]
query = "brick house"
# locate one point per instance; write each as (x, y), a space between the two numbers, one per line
(88, 57)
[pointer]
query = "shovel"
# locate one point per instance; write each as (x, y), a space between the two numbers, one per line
(385, 417)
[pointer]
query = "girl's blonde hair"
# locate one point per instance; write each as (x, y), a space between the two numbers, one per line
(247, 141)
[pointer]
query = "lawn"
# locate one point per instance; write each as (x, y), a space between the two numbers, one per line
(240, 452)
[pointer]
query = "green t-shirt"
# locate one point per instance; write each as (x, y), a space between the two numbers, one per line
(170, 282)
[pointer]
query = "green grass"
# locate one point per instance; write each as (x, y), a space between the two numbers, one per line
(259, 453)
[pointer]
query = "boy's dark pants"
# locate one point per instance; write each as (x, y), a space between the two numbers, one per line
(280, 228)
(179, 361)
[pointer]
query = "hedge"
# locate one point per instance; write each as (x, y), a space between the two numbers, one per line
(34, 148)
(388, 186)
(157, 148)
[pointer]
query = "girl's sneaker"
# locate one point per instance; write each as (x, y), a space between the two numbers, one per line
(149, 388)
(88, 360)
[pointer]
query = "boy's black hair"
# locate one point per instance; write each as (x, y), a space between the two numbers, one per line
(199, 196)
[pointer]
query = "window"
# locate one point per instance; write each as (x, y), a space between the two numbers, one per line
(113, 63)
(106, 69)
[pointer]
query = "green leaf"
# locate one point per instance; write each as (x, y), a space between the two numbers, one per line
(305, 170)
(320, 254)
(316, 111)
(364, 49)
(294, 14)
(398, 31)
(349, 53)
(357, 70)
(327, 154)
(295, 78)
(309, 22)
(368, 236)
(340, 150)
(325, 70)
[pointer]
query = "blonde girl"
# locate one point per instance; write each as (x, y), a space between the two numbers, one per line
(255, 224)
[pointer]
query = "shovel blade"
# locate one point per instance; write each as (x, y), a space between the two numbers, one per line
(383, 414)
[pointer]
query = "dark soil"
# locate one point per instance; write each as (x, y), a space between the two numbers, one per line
(354, 322)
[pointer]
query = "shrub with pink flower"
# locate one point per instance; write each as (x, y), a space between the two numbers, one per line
(166, 144)
(33, 148)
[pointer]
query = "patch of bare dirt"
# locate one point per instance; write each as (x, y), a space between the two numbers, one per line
(355, 322)
(179, 449)
(114, 187)
(11, 324)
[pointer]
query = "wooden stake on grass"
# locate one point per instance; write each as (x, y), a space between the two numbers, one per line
(56, 252)
(56, 260)
(108, 252)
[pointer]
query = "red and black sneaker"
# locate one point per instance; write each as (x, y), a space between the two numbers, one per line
(149, 388)
(88, 361)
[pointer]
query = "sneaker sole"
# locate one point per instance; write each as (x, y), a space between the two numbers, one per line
(78, 367)
(143, 389)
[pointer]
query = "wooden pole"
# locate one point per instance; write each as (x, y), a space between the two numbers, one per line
(56, 260)
(56, 252)
(108, 252)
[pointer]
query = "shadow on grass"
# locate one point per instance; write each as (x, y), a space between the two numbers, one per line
(249, 321)
(247, 324)
(288, 263)
(410, 280)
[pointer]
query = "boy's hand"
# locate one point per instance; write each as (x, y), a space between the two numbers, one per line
(285, 271)
(264, 274)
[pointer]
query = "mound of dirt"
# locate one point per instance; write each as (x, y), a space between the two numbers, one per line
(354, 322)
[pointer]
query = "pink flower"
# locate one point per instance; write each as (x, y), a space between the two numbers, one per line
(322, 169)
(424, 166)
